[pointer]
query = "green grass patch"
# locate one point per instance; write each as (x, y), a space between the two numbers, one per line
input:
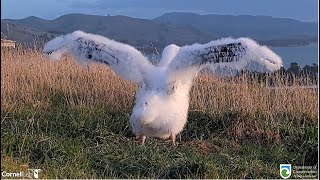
(80, 142)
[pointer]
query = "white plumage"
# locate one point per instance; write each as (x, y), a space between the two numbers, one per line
(162, 98)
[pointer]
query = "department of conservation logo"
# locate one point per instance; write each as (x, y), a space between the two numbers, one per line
(285, 171)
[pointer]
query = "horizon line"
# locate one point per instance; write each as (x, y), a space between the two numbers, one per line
(108, 15)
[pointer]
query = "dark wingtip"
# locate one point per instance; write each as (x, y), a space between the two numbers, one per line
(48, 52)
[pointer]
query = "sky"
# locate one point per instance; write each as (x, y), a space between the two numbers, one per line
(303, 10)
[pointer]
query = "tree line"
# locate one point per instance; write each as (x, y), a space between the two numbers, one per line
(293, 75)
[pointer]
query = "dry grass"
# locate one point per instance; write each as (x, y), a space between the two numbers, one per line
(27, 78)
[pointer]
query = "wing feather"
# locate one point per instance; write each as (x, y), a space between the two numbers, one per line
(237, 54)
(125, 60)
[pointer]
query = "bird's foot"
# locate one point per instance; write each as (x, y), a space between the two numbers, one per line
(172, 138)
(142, 138)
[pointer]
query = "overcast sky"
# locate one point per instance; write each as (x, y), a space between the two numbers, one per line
(304, 10)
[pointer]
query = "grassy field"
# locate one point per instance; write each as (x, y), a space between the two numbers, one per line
(73, 122)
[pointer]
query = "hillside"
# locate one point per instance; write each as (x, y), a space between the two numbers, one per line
(258, 27)
(137, 32)
(178, 28)
(24, 34)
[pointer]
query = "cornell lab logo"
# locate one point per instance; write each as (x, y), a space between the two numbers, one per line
(285, 171)
(31, 173)
(35, 172)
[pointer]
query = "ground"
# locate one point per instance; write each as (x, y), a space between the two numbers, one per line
(83, 143)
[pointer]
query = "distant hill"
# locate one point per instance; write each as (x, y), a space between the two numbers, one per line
(178, 28)
(137, 32)
(25, 35)
(257, 27)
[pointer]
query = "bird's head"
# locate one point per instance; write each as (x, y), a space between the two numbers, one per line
(153, 98)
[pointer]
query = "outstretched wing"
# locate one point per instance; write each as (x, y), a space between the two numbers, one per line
(125, 60)
(241, 53)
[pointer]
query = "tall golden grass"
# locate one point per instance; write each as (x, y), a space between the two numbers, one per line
(28, 78)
